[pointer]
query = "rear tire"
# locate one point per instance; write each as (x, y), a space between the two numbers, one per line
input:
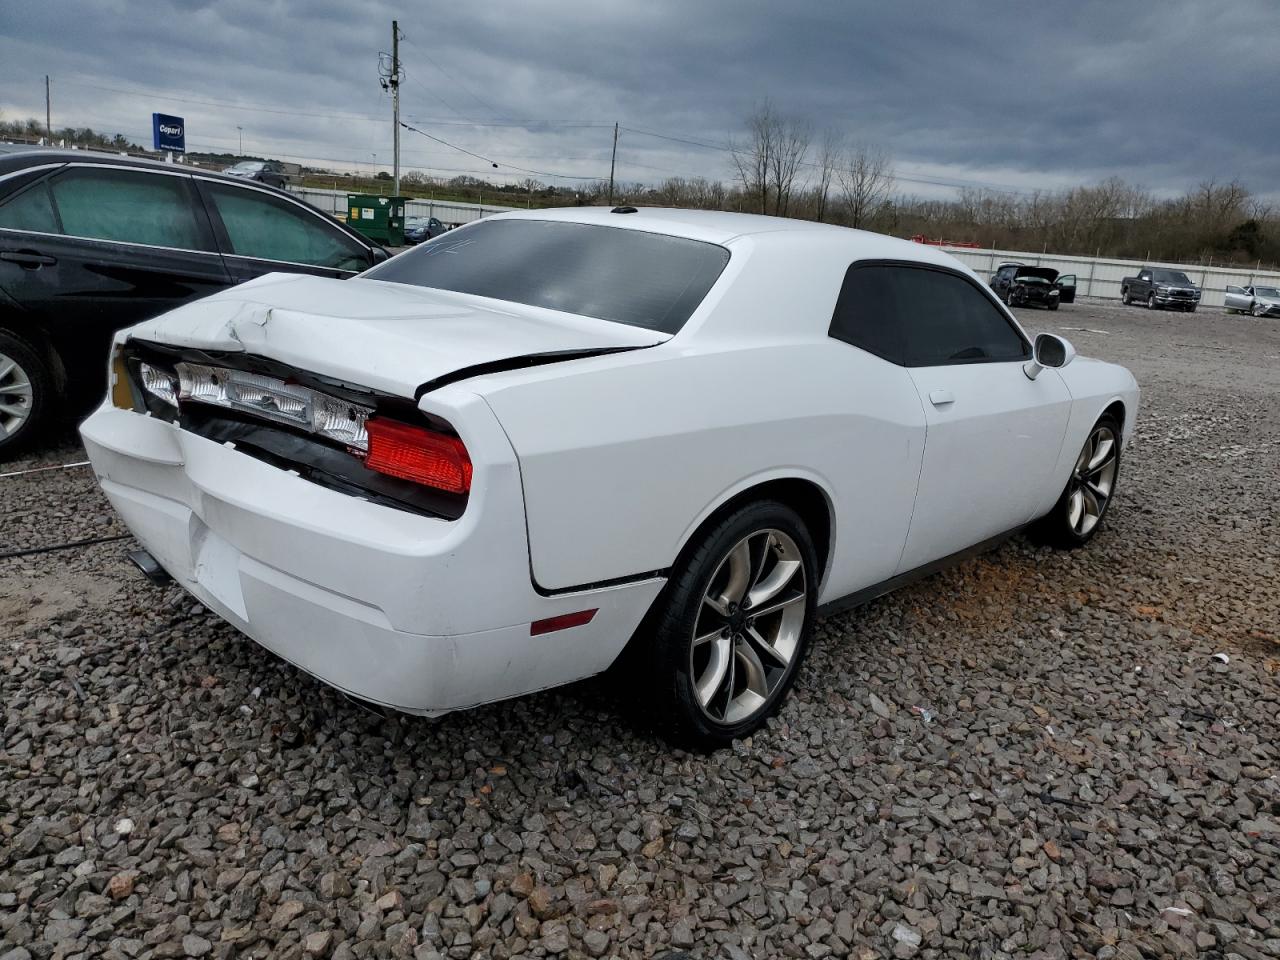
(708, 666)
(1084, 502)
(26, 393)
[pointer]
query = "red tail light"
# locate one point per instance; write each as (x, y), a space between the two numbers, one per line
(417, 454)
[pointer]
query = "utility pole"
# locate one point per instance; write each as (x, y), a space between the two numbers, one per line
(48, 125)
(613, 162)
(240, 130)
(395, 102)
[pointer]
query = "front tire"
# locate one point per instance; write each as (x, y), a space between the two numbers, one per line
(26, 385)
(1151, 301)
(1052, 304)
(1078, 514)
(1124, 296)
(1259, 310)
(730, 629)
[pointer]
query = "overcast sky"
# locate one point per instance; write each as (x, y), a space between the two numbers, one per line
(1012, 95)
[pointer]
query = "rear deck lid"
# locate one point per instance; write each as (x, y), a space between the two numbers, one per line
(390, 337)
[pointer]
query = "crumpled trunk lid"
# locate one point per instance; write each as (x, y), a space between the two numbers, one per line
(389, 337)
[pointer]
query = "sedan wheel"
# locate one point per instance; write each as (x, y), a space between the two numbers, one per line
(1076, 516)
(722, 644)
(1259, 310)
(24, 389)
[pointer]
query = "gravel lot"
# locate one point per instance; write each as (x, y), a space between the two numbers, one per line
(1033, 754)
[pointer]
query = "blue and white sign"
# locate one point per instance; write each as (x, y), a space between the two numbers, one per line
(168, 133)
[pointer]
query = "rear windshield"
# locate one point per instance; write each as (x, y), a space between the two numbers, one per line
(642, 279)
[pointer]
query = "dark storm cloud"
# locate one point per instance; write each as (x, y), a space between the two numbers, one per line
(1012, 94)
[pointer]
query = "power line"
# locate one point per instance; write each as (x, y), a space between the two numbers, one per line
(494, 163)
(474, 96)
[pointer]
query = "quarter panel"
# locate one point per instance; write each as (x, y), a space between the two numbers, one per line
(620, 460)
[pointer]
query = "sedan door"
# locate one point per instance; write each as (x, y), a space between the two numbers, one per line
(1238, 298)
(260, 231)
(992, 435)
(93, 248)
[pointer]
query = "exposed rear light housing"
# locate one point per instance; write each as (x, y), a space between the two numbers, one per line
(415, 453)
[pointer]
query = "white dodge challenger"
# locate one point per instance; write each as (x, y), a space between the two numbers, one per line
(551, 441)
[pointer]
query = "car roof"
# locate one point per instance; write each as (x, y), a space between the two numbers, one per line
(41, 156)
(721, 227)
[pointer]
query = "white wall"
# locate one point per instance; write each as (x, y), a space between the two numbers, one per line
(1100, 277)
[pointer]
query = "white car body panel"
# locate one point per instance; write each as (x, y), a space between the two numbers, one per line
(592, 474)
(994, 437)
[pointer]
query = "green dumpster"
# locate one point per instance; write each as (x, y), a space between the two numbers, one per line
(378, 218)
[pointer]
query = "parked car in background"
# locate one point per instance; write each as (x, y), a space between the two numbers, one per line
(418, 229)
(1021, 285)
(1160, 288)
(90, 243)
(553, 440)
(1259, 301)
(270, 172)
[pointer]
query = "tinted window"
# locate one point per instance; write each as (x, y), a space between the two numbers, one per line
(29, 210)
(1172, 276)
(128, 206)
(643, 279)
(922, 318)
(867, 313)
(261, 226)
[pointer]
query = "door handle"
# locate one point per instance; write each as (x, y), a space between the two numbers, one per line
(28, 258)
(940, 398)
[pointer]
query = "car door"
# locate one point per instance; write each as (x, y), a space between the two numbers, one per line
(1144, 283)
(1238, 298)
(1066, 285)
(992, 435)
(92, 248)
(260, 231)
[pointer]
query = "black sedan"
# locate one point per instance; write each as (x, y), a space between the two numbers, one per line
(91, 243)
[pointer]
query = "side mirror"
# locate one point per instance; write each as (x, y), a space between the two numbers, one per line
(1049, 350)
(379, 255)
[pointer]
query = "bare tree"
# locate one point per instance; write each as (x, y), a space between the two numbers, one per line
(865, 179)
(829, 151)
(792, 140)
(753, 159)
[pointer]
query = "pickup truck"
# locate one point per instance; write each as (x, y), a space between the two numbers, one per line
(1159, 288)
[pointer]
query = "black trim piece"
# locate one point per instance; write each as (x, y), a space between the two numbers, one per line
(601, 584)
(517, 363)
(860, 597)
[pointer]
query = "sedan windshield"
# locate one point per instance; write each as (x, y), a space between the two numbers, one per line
(1171, 276)
(1270, 293)
(628, 276)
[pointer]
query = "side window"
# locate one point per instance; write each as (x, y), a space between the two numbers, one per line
(31, 209)
(948, 320)
(918, 317)
(267, 228)
(129, 206)
(866, 314)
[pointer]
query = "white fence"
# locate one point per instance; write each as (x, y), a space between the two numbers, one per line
(1098, 277)
(450, 212)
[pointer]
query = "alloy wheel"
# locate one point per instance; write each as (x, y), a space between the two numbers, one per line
(1151, 301)
(15, 396)
(748, 628)
(1093, 480)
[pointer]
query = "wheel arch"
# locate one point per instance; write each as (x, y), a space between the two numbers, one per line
(806, 494)
(41, 342)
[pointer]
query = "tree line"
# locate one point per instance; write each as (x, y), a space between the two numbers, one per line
(782, 166)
